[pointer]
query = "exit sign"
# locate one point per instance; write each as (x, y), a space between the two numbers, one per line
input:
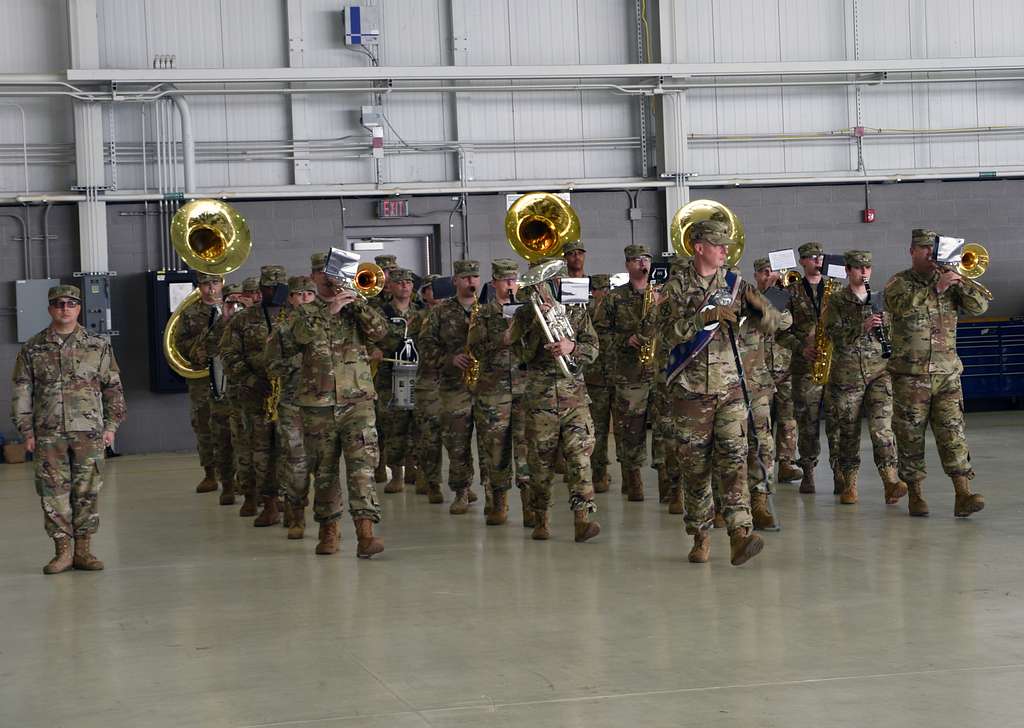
(392, 208)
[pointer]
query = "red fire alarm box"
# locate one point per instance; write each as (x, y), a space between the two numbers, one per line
(869, 214)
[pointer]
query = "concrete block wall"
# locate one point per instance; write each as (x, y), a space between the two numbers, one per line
(287, 231)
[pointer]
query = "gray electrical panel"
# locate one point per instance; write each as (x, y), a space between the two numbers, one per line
(30, 297)
(96, 302)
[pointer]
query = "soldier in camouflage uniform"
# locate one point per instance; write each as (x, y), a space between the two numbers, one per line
(859, 380)
(66, 403)
(337, 398)
(621, 315)
(575, 257)
(242, 348)
(810, 399)
(427, 414)
(223, 412)
(777, 359)
(599, 387)
(387, 263)
(499, 405)
(395, 425)
(251, 291)
(443, 347)
(193, 327)
(557, 410)
(706, 400)
(923, 303)
(292, 469)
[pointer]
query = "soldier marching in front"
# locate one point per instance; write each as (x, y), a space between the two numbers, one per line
(706, 399)
(859, 381)
(66, 403)
(193, 329)
(443, 347)
(242, 349)
(622, 315)
(557, 407)
(810, 399)
(924, 303)
(598, 378)
(500, 389)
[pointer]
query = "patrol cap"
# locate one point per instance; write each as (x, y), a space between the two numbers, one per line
(857, 258)
(273, 275)
(466, 268)
(636, 251)
(573, 247)
(231, 289)
(810, 249)
(251, 285)
(921, 237)
(428, 280)
(400, 275)
(298, 284)
(64, 292)
(208, 277)
(600, 282)
(714, 232)
(761, 263)
(387, 262)
(317, 261)
(502, 268)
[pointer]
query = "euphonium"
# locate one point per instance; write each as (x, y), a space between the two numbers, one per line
(211, 237)
(821, 368)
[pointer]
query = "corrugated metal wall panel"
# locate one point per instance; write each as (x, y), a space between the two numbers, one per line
(884, 29)
(746, 31)
(694, 31)
(748, 112)
(812, 30)
(888, 107)
(997, 28)
(124, 37)
(34, 36)
(808, 109)
(999, 105)
(703, 119)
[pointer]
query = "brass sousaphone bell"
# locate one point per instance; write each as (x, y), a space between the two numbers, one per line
(540, 224)
(698, 211)
(211, 237)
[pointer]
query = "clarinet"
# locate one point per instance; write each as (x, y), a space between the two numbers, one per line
(880, 331)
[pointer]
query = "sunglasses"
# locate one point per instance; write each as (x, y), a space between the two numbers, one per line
(64, 304)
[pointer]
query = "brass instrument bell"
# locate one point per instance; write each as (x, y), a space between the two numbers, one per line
(698, 211)
(540, 224)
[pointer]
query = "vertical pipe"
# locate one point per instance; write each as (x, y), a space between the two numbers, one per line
(24, 237)
(188, 143)
(27, 227)
(46, 237)
(142, 116)
(465, 225)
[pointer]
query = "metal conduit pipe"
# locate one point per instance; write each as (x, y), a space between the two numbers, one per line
(24, 240)
(46, 236)
(188, 142)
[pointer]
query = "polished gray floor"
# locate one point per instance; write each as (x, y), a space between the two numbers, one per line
(852, 616)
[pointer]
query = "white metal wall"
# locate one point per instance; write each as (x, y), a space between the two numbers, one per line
(712, 31)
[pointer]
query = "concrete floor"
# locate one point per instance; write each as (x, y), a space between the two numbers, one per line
(852, 616)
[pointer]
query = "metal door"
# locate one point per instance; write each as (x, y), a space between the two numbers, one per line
(413, 248)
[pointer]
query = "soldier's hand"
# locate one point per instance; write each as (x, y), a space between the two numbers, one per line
(635, 342)
(946, 279)
(377, 355)
(719, 314)
(810, 352)
(462, 361)
(562, 347)
(108, 438)
(30, 443)
(872, 322)
(755, 300)
(341, 300)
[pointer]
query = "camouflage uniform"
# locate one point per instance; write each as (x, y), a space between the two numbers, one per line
(599, 387)
(557, 410)
(336, 395)
(387, 263)
(926, 370)
(395, 425)
(223, 410)
(191, 338)
(443, 336)
(809, 399)
(243, 349)
(66, 393)
(427, 413)
(705, 399)
(859, 380)
(498, 406)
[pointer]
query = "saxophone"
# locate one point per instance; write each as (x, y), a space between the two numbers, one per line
(274, 398)
(471, 374)
(647, 351)
(822, 365)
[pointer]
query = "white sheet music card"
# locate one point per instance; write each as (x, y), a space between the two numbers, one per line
(782, 259)
(575, 290)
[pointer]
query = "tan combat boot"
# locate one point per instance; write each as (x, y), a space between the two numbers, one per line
(209, 482)
(601, 482)
(635, 490)
(330, 534)
(585, 528)
(434, 494)
(488, 498)
(966, 502)
(849, 495)
(367, 545)
(701, 550)
(411, 474)
(664, 484)
(62, 560)
(499, 509)
(270, 514)
(541, 531)
(788, 472)
(227, 493)
(397, 482)
(297, 523)
(807, 481)
(248, 508)
(759, 511)
(916, 504)
(461, 503)
(838, 484)
(83, 559)
(421, 483)
(894, 487)
(745, 546)
(529, 517)
(675, 500)
(471, 495)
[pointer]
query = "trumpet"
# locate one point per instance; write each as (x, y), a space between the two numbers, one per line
(368, 281)
(973, 264)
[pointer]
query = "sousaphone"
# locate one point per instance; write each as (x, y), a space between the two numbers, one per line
(698, 211)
